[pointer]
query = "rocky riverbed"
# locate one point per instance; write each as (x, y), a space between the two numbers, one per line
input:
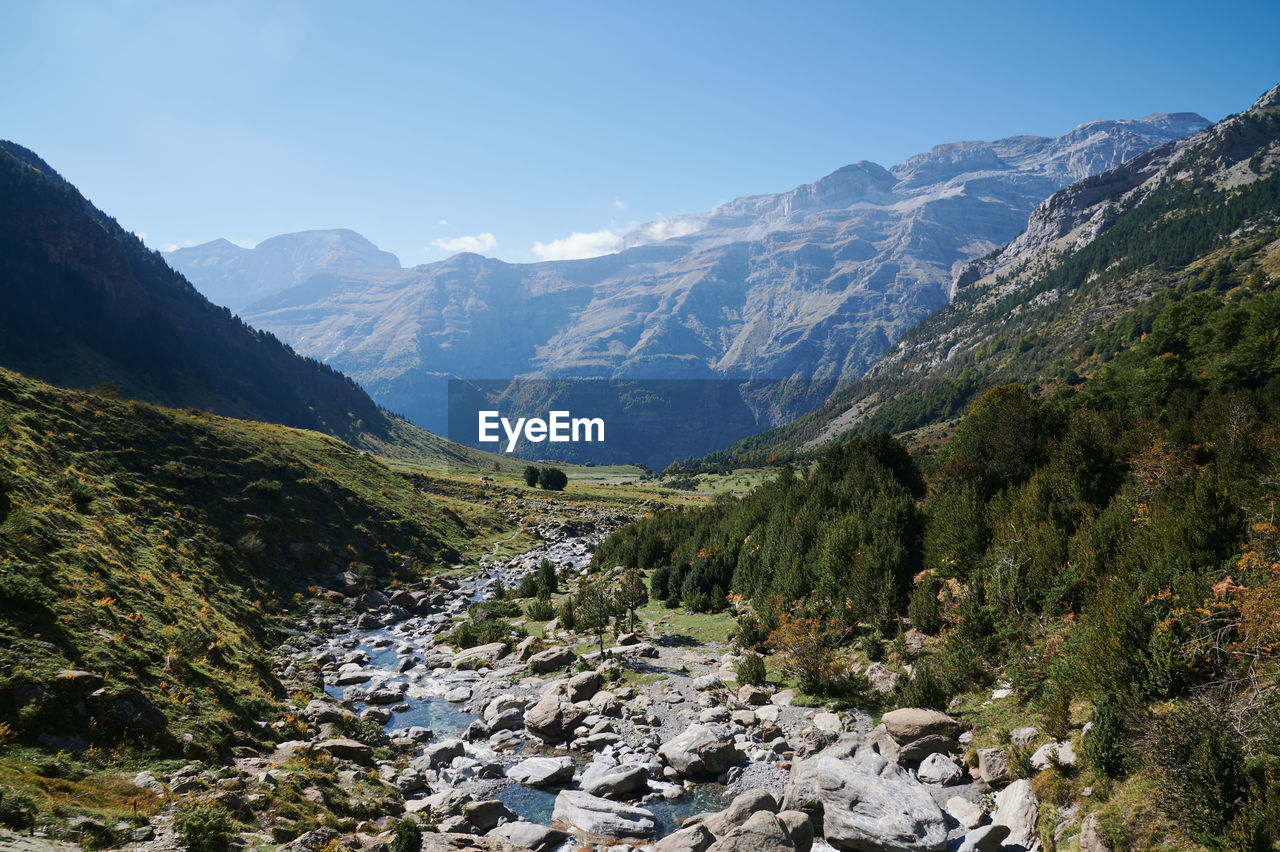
(546, 745)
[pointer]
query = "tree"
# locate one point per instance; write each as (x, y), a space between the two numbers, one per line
(547, 577)
(552, 479)
(633, 594)
(596, 606)
(531, 476)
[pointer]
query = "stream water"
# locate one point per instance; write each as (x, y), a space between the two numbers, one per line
(425, 705)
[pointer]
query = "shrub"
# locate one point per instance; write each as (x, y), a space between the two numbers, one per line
(922, 608)
(567, 615)
(540, 609)
(498, 607)
(547, 577)
(531, 476)
(806, 648)
(408, 837)
(469, 634)
(1105, 749)
(750, 668)
(552, 479)
(873, 648)
(528, 587)
(925, 688)
(16, 810)
(204, 828)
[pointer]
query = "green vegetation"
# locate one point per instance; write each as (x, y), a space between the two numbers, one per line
(1113, 545)
(187, 533)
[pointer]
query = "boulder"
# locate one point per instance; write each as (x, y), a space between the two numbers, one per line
(442, 754)
(1091, 835)
(1023, 736)
(707, 682)
(700, 750)
(126, 709)
(528, 835)
(917, 750)
(762, 832)
(882, 679)
(988, 838)
(993, 765)
(751, 694)
(739, 811)
(828, 722)
(882, 744)
(552, 720)
(695, 838)
(487, 815)
(552, 659)
(602, 779)
(912, 723)
(487, 654)
(596, 820)
(582, 686)
(865, 803)
(800, 827)
(968, 814)
(347, 749)
(1018, 808)
(542, 772)
(1063, 752)
(937, 768)
(502, 704)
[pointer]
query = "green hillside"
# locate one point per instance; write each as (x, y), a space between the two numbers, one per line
(152, 547)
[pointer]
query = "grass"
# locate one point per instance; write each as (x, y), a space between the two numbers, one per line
(692, 628)
(157, 547)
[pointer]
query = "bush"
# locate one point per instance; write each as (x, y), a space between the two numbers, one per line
(873, 648)
(469, 634)
(547, 577)
(1105, 749)
(540, 609)
(203, 828)
(408, 837)
(922, 608)
(750, 668)
(531, 476)
(552, 479)
(498, 607)
(925, 688)
(16, 810)
(366, 731)
(528, 587)
(567, 615)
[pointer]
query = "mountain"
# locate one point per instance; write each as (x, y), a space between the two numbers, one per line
(1083, 283)
(236, 277)
(811, 284)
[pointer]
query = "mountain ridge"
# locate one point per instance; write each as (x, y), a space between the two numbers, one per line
(776, 286)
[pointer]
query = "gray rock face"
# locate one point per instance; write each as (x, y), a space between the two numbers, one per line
(347, 749)
(917, 750)
(701, 750)
(488, 814)
(542, 771)
(596, 820)
(1063, 752)
(126, 709)
(1090, 835)
(988, 838)
(602, 779)
(487, 654)
(865, 803)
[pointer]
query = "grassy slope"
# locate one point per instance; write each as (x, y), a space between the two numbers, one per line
(151, 545)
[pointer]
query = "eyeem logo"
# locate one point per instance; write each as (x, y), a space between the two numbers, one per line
(559, 427)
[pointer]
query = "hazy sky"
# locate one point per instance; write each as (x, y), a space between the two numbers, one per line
(508, 127)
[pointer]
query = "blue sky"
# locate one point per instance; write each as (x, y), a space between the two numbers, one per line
(509, 127)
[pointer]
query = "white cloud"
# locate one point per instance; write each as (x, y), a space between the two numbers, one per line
(443, 222)
(620, 204)
(168, 247)
(577, 246)
(665, 229)
(480, 243)
(142, 235)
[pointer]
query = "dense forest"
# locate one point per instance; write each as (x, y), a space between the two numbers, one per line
(1112, 545)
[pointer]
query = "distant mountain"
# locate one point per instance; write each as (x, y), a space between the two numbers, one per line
(236, 277)
(86, 304)
(1083, 283)
(811, 284)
